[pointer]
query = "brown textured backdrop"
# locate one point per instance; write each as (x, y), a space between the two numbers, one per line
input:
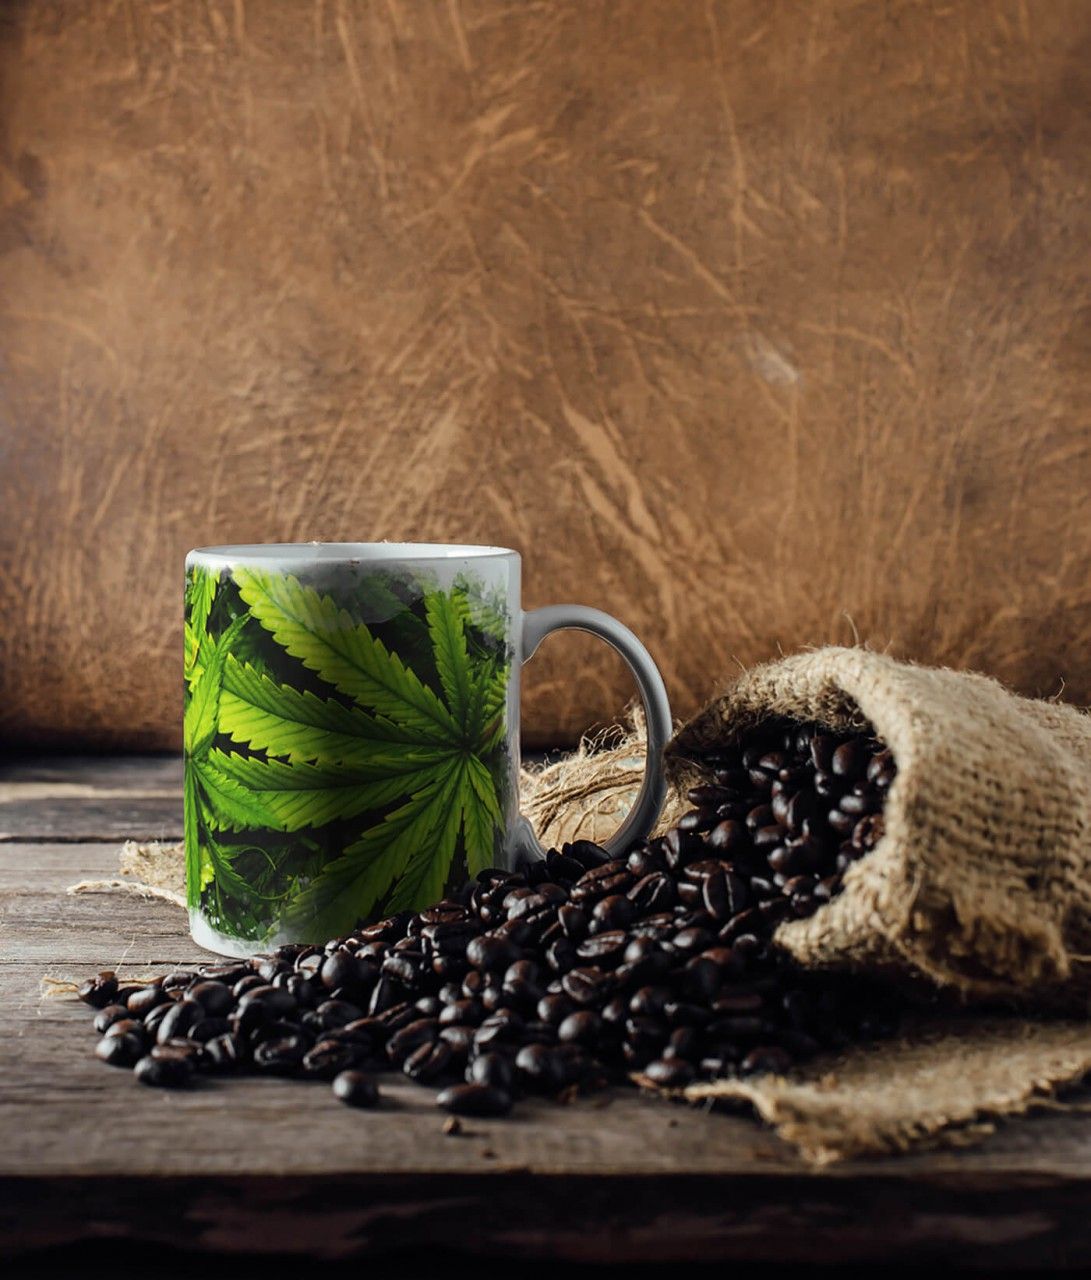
(735, 317)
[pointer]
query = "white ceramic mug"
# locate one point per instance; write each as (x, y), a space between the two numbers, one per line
(352, 731)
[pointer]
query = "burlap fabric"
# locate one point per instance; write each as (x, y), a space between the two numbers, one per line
(982, 881)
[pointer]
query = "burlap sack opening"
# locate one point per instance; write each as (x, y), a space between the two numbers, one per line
(982, 881)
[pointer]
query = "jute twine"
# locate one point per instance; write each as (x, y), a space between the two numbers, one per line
(981, 887)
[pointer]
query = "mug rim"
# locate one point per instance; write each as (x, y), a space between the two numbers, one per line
(348, 552)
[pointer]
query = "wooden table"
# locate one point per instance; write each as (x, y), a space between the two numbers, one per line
(251, 1166)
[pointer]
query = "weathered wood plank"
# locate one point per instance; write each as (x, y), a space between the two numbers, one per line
(113, 773)
(83, 819)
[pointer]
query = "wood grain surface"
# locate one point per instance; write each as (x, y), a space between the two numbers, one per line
(751, 323)
(247, 1166)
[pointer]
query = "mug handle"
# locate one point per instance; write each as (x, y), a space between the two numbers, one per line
(539, 623)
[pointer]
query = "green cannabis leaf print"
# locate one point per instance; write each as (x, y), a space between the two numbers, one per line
(330, 773)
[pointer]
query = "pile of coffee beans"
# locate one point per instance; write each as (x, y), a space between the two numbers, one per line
(581, 970)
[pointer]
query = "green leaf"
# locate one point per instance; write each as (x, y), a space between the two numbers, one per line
(298, 724)
(312, 628)
(200, 593)
(199, 720)
(231, 806)
(481, 817)
(349, 887)
(221, 857)
(421, 882)
(488, 697)
(446, 614)
(305, 795)
(192, 835)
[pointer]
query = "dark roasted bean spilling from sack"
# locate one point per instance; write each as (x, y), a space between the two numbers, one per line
(582, 970)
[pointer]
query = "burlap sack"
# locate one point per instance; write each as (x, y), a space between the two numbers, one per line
(982, 881)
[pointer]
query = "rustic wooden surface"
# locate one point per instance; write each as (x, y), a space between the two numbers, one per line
(251, 1166)
(734, 317)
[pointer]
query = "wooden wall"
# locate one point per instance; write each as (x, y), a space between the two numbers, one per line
(741, 320)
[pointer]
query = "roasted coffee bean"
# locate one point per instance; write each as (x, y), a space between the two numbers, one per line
(153, 1019)
(178, 1020)
(208, 1029)
(164, 1073)
(729, 837)
(474, 1100)
(493, 1069)
(355, 1089)
(282, 1056)
(402, 1043)
(767, 1057)
(562, 955)
(144, 1000)
(583, 1027)
(689, 940)
(337, 1013)
(460, 1039)
(428, 1061)
(848, 760)
(670, 1073)
(574, 921)
(586, 853)
(540, 1069)
(650, 1001)
(490, 954)
(329, 1058)
(120, 1050)
(105, 1018)
(683, 1042)
(223, 1053)
(214, 997)
(612, 912)
(610, 878)
(466, 1013)
(587, 986)
(100, 990)
(604, 948)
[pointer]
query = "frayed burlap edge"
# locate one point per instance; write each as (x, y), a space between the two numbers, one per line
(942, 1084)
(153, 870)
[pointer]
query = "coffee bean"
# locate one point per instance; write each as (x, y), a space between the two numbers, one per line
(428, 1061)
(587, 986)
(100, 990)
(771, 1058)
(492, 1069)
(402, 1043)
(670, 1073)
(848, 759)
(106, 1017)
(355, 1089)
(120, 1050)
(604, 948)
(163, 1073)
(540, 1069)
(282, 1056)
(583, 1027)
(474, 1100)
